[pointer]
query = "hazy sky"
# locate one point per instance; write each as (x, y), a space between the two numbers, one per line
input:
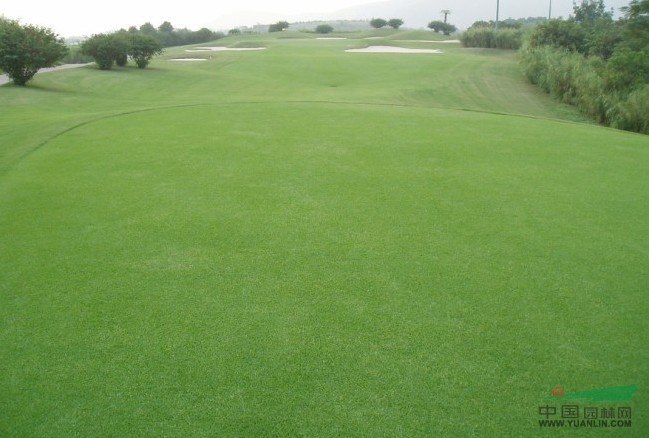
(79, 17)
(85, 17)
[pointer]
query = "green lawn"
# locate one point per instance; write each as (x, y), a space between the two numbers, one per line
(303, 241)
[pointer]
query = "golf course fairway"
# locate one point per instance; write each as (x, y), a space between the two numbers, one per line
(302, 241)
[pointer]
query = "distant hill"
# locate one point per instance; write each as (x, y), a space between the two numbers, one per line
(415, 13)
(418, 13)
(338, 25)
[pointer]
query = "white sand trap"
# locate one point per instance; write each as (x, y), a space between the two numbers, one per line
(372, 38)
(188, 59)
(391, 49)
(225, 49)
(430, 41)
(331, 38)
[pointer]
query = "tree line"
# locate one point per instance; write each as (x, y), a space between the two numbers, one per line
(25, 49)
(140, 44)
(168, 36)
(116, 48)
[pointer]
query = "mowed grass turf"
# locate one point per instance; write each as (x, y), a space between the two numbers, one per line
(268, 244)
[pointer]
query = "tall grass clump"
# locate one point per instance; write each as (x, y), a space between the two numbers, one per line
(490, 38)
(633, 113)
(569, 77)
(590, 84)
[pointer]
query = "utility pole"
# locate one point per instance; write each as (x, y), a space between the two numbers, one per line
(497, 12)
(445, 12)
(550, 13)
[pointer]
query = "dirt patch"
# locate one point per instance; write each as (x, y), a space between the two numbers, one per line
(5, 79)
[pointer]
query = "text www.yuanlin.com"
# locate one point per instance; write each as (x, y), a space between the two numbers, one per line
(585, 423)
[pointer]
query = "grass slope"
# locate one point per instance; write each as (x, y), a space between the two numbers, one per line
(303, 241)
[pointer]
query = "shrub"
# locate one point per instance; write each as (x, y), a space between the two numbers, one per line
(440, 26)
(395, 23)
(143, 48)
(324, 29)
(278, 27)
(378, 23)
(565, 34)
(628, 68)
(26, 49)
(105, 49)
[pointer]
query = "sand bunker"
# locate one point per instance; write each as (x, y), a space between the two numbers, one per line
(391, 49)
(225, 49)
(430, 41)
(331, 38)
(188, 59)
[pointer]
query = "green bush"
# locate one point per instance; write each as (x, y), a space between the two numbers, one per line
(324, 29)
(105, 49)
(378, 23)
(628, 68)
(143, 48)
(440, 26)
(26, 49)
(278, 27)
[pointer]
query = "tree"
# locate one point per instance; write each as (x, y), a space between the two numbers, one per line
(439, 26)
(26, 49)
(105, 49)
(378, 23)
(436, 26)
(166, 27)
(636, 8)
(143, 48)
(234, 31)
(590, 10)
(324, 28)
(148, 29)
(636, 33)
(395, 23)
(449, 29)
(278, 27)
